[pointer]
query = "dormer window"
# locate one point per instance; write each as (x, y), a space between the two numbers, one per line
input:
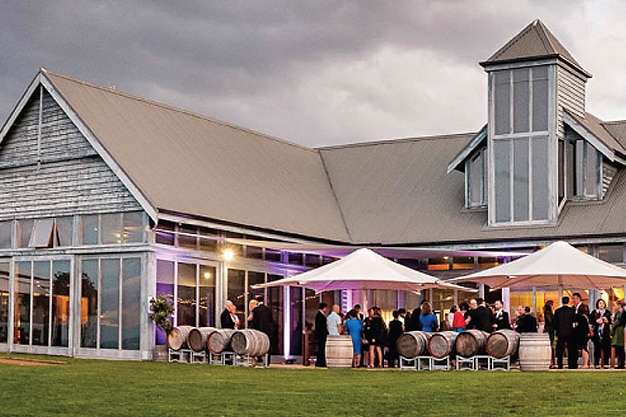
(476, 179)
(583, 168)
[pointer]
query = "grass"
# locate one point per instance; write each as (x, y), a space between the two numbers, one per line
(124, 388)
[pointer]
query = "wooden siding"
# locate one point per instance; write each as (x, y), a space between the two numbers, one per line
(570, 96)
(61, 175)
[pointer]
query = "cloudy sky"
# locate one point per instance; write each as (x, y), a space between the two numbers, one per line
(313, 72)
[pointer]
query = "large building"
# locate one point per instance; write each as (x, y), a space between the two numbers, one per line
(107, 199)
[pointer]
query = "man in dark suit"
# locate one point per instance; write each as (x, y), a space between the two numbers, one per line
(321, 333)
(563, 325)
(479, 316)
(501, 317)
(228, 318)
(263, 321)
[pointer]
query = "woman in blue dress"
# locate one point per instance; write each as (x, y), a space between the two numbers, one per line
(354, 327)
(428, 319)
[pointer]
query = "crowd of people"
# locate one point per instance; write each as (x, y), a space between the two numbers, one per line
(570, 329)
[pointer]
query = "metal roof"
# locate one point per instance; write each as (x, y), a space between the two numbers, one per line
(535, 41)
(190, 164)
(398, 192)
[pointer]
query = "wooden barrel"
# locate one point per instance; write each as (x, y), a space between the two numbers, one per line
(219, 340)
(470, 342)
(534, 352)
(177, 337)
(412, 344)
(441, 344)
(250, 342)
(339, 352)
(502, 343)
(196, 340)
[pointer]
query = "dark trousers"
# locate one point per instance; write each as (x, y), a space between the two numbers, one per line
(600, 346)
(321, 353)
(572, 352)
(619, 353)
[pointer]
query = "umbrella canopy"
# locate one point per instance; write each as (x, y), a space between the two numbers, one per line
(558, 265)
(363, 269)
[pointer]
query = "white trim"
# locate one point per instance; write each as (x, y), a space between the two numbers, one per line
(95, 143)
(474, 143)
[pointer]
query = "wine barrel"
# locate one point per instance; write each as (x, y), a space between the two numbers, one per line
(502, 343)
(219, 340)
(534, 352)
(250, 342)
(441, 344)
(412, 344)
(470, 342)
(196, 340)
(177, 337)
(339, 352)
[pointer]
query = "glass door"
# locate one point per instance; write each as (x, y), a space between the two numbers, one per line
(41, 313)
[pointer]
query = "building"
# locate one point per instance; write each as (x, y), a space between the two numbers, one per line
(107, 199)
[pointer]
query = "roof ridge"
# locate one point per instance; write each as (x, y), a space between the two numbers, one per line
(399, 140)
(173, 108)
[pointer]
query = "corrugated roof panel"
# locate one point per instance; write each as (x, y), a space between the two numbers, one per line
(189, 164)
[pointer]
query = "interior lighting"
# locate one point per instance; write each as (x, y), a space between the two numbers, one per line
(228, 254)
(207, 275)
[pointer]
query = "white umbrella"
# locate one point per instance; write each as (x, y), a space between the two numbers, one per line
(558, 265)
(364, 269)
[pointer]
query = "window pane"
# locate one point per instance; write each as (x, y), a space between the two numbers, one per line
(208, 243)
(236, 293)
(187, 236)
(207, 296)
(165, 286)
(42, 234)
(520, 184)
(580, 167)
(476, 178)
(501, 102)
(24, 228)
(520, 100)
(165, 233)
(611, 253)
(89, 304)
(60, 302)
(110, 308)
(592, 173)
(41, 303)
(255, 278)
(133, 227)
(5, 234)
(541, 193)
(570, 160)
(4, 301)
(502, 180)
(131, 302)
(65, 230)
(22, 303)
(90, 229)
(186, 302)
(111, 228)
(540, 98)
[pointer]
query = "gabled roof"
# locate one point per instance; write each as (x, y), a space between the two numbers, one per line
(185, 163)
(534, 42)
(594, 131)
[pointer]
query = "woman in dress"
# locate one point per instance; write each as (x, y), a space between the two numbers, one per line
(600, 319)
(354, 327)
(428, 319)
(548, 327)
(458, 321)
(375, 334)
(617, 333)
(395, 331)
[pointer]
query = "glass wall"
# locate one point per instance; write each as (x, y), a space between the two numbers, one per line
(190, 287)
(41, 302)
(110, 303)
(4, 301)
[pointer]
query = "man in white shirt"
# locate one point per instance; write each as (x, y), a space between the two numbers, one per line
(333, 321)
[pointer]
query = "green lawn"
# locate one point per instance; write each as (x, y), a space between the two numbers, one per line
(115, 388)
